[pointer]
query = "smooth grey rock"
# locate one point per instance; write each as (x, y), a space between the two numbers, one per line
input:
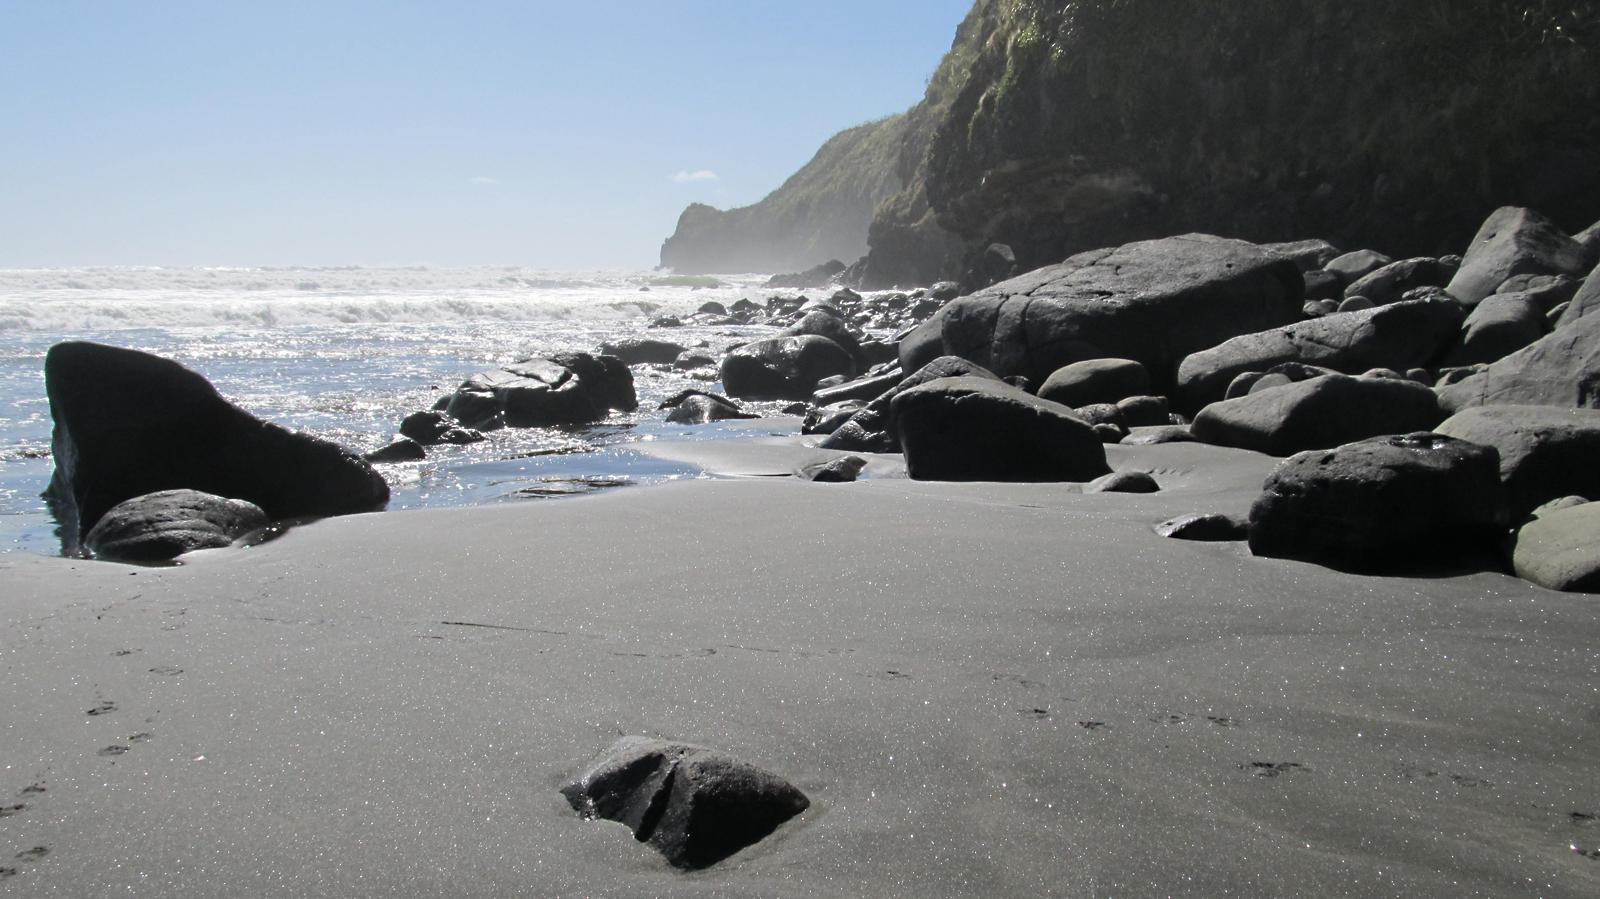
(978, 429)
(784, 368)
(1317, 414)
(1407, 501)
(403, 450)
(1546, 452)
(694, 805)
(1560, 549)
(1561, 368)
(1153, 302)
(1352, 267)
(1499, 325)
(1145, 411)
(1307, 255)
(1123, 482)
(1095, 381)
(158, 527)
(1516, 241)
(837, 470)
(1205, 527)
(128, 423)
(1408, 334)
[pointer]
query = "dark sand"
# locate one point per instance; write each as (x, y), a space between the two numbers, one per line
(986, 690)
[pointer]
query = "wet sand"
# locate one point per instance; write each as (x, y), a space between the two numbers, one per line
(985, 689)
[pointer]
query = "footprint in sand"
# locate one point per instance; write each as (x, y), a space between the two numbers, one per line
(34, 854)
(166, 670)
(33, 788)
(1034, 714)
(104, 708)
(1271, 769)
(1091, 725)
(890, 674)
(7, 811)
(1016, 679)
(112, 751)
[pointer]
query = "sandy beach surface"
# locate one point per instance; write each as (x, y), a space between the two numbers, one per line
(985, 690)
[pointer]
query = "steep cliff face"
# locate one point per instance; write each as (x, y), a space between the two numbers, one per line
(820, 213)
(1060, 126)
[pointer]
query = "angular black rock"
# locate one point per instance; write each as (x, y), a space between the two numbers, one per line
(695, 806)
(128, 423)
(978, 429)
(783, 368)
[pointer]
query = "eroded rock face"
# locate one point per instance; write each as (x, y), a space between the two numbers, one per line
(1403, 335)
(161, 526)
(694, 805)
(128, 423)
(784, 368)
(1318, 413)
(1375, 505)
(1546, 452)
(977, 429)
(563, 389)
(1153, 302)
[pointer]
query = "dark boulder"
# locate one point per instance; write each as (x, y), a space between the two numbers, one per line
(1123, 482)
(1403, 335)
(1145, 411)
(689, 360)
(978, 429)
(1317, 414)
(637, 351)
(694, 805)
(1205, 527)
(1387, 284)
(829, 418)
(403, 450)
(1516, 241)
(783, 368)
(432, 428)
(824, 321)
(564, 389)
(1546, 452)
(1154, 302)
(1560, 369)
(817, 276)
(837, 470)
(1499, 326)
(871, 430)
(1404, 501)
(161, 526)
(128, 423)
(696, 407)
(1095, 381)
(1560, 549)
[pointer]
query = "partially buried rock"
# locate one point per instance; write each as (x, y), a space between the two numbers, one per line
(1096, 381)
(1560, 549)
(1376, 505)
(158, 527)
(1499, 326)
(1123, 482)
(696, 407)
(128, 423)
(978, 429)
(1317, 414)
(838, 470)
(403, 450)
(1206, 527)
(783, 368)
(1386, 285)
(694, 805)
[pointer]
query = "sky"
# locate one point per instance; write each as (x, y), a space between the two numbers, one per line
(554, 134)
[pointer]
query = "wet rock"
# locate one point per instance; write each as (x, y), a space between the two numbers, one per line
(1205, 527)
(1396, 501)
(1560, 549)
(1095, 381)
(692, 359)
(829, 418)
(711, 307)
(1560, 369)
(128, 423)
(161, 526)
(563, 389)
(978, 429)
(1123, 482)
(871, 430)
(1153, 302)
(784, 368)
(837, 470)
(944, 291)
(641, 351)
(1402, 335)
(403, 450)
(865, 389)
(1515, 241)
(1546, 452)
(432, 428)
(694, 805)
(696, 407)
(1317, 414)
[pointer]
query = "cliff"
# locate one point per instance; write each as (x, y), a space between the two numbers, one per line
(1060, 126)
(820, 213)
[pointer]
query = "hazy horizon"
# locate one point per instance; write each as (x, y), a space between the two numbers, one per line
(548, 135)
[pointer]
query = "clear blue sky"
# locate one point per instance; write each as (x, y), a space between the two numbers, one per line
(538, 132)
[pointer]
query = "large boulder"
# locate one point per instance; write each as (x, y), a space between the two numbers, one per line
(978, 429)
(1096, 381)
(161, 526)
(1561, 368)
(1404, 335)
(694, 805)
(128, 423)
(783, 368)
(1499, 325)
(1154, 302)
(1389, 283)
(871, 430)
(1410, 500)
(1546, 452)
(562, 389)
(825, 321)
(1560, 549)
(1516, 241)
(1317, 413)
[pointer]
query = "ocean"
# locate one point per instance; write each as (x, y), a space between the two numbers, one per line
(347, 352)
